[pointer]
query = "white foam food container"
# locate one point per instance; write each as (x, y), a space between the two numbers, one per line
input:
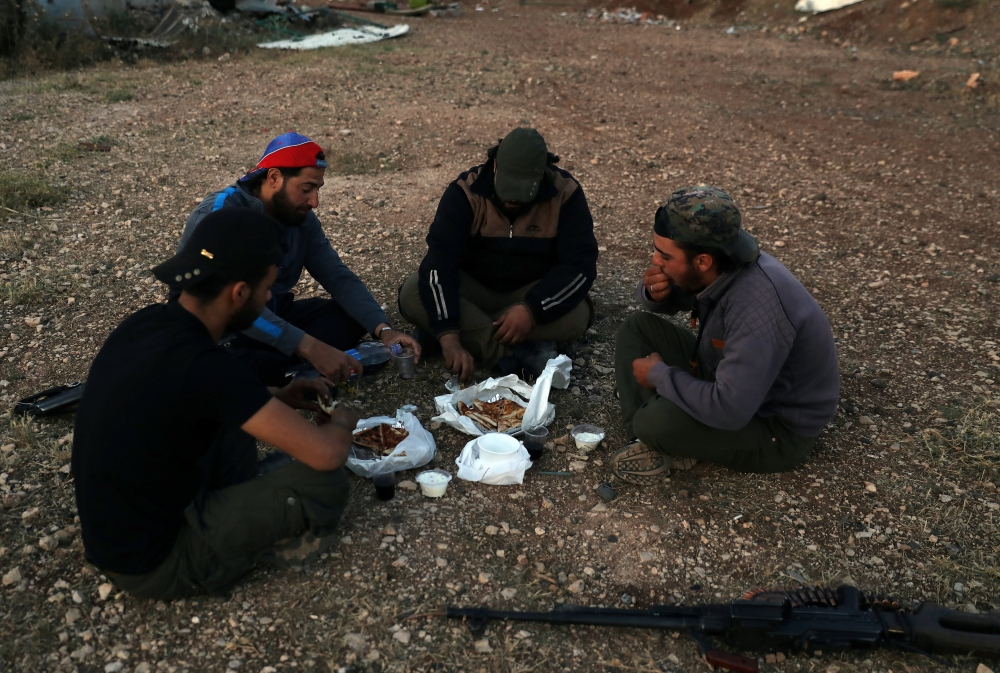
(496, 447)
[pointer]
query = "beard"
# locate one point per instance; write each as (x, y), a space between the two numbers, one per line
(244, 318)
(284, 211)
(692, 282)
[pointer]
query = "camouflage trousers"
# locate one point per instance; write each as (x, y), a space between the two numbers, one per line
(763, 445)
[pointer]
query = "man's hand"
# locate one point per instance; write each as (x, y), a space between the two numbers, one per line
(390, 337)
(641, 367)
(344, 417)
(302, 393)
(457, 359)
(514, 325)
(657, 283)
(335, 365)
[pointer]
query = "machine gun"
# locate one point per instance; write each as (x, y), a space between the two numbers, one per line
(811, 618)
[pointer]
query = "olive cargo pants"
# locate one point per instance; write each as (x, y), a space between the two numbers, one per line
(231, 527)
(480, 306)
(763, 445)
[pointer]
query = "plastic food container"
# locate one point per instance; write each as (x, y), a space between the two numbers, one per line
(433, 483)
(587, 437)
(496, 447)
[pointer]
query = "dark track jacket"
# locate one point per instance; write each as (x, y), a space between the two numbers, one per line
(550, 241)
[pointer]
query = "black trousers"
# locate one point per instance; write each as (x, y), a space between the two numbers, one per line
(320, 318)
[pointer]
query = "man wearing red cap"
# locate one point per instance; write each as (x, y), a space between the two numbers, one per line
(285, 185)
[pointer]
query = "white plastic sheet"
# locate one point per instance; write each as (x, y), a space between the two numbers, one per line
(820, 6)
(504, 473)
(340, 37)
(537, 412)
(416, 450)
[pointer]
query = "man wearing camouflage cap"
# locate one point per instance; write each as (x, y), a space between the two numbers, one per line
(758, 382)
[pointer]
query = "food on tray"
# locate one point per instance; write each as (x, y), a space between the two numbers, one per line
(500, 415)
(382, 438)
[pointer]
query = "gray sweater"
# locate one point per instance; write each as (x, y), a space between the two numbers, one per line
(309, 248)
(766, 349)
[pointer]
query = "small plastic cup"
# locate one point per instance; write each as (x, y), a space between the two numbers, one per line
(404, 363)
(433, 483)
(534, 441)
(587, 437)
(385, 485)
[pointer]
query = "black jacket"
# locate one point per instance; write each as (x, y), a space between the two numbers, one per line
(551, 241)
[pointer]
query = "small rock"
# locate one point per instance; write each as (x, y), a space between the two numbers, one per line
(400, 562)
(878, 383)
(833, 668)
(492, 530)
(646, 557)
(484, 578)
(143, 667)
(865, 420)
(234, 664)
(407, 485)
(576, 587)
(599, 507)
(12, 577)
(29, 515)
(945, 498)
(870, 487)
(983, 668)
(402, 637)
(483, 646)
(72, 615)
(440, 562)
(577, 466)
(508, 593)
(355, 641)
(105, 590)
(606, 492)
(78, 596)
(539, 530)
(770, 659)
(373, 655)
(546, 503)
(49, 543)
(116, 666)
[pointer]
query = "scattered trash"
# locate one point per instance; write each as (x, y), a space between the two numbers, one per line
(820, 6)
(183, 16)
(628, 15)
(904, 75)
(973, 81)
(339, 38)
(442, 11)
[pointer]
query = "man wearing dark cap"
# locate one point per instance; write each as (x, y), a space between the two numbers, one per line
(285, 185)
(164, 451)
(758, 382)
(511, 257)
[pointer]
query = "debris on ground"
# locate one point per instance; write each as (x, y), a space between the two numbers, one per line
(628, 15)
(820, 6)
(904, 75)
(339, 38)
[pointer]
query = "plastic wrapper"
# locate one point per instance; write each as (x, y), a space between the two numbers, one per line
(416, 450)
(511, 471)
(535, 399)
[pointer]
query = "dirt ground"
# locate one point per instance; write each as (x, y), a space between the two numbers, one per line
(880, 196)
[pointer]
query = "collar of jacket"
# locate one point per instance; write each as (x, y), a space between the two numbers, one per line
(711, 295)
(483, 186)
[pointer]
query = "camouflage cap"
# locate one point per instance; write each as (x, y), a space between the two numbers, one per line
(707, 217)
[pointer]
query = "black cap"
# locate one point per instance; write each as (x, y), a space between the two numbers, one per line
(235, 240)
(520, 165)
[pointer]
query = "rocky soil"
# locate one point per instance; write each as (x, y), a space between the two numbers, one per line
(882, 198)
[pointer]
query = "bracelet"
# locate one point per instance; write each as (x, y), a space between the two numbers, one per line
(378, 332)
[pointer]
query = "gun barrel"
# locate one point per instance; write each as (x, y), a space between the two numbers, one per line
(643, 619)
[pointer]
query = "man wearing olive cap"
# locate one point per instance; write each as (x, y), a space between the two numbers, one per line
(511, 257)
(285, 184)
(757, 383)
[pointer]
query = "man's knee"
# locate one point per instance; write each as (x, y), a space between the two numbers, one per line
(332, 488)
(408, 298)
(655, 423)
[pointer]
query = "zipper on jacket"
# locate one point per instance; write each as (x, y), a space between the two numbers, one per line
(511, 230)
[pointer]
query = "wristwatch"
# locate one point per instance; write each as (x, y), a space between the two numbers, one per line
(378, 332)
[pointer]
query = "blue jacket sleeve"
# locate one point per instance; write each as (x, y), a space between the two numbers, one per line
(569, 281)
(438, 273)
(325, 265)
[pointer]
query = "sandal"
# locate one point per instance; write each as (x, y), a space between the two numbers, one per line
(638, 464)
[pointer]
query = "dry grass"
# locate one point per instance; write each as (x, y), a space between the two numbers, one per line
(20, 191)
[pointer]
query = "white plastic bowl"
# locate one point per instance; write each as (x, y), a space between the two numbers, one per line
(433, 483)
(587, 437)
(496, 447)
